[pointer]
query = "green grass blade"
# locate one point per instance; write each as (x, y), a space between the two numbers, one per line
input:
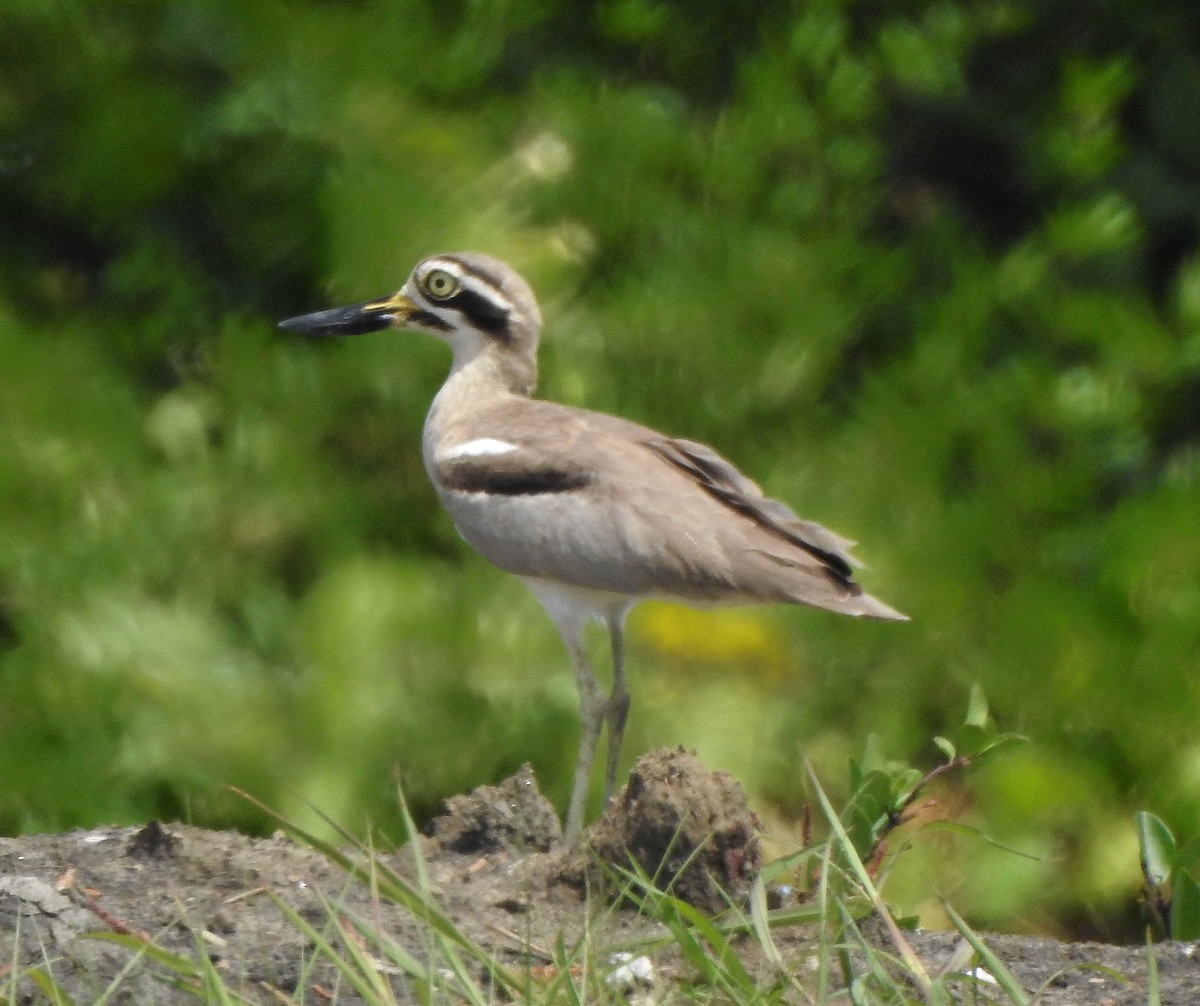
(48, 987)
(196, 977)
(565, 978)
(376, 983)
(394, 887)
(761, 921)
(995, 967)
(1153, 995)
(449, 943)
(920, 976)
(185, 967)
(730, 968)
(363, 977)
(701, 940)
(213, 987)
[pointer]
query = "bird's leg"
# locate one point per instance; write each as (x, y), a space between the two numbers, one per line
(616, 710)
(593, 708)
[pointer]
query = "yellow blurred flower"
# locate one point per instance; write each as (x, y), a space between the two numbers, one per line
(742, 636)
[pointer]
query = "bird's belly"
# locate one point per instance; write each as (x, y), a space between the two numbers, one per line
(540, 536)
(568, 539)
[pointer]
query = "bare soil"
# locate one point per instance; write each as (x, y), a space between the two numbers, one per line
(492, 866)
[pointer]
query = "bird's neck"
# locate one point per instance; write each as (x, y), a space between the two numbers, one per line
(480, 379)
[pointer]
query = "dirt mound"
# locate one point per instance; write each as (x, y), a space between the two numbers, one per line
(510, 817)
(688, 829)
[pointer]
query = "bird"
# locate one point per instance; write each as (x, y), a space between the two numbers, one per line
(592, 511)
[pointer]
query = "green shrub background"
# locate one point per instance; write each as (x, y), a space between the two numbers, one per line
(926, 270)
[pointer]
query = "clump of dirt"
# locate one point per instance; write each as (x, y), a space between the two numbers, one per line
(203, 894)
(687, 828)
(513, 816)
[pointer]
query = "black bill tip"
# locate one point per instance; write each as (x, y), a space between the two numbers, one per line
(357, 319)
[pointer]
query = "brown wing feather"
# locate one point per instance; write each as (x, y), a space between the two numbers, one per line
(723, 481)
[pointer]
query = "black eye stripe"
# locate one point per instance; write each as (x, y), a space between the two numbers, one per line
(480, 311)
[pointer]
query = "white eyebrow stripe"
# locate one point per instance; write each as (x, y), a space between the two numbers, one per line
(485, 289)
(482, 447)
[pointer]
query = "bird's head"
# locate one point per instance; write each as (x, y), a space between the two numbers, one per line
(475, 303)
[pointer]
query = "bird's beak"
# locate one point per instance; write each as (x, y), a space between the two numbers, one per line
(356, 319)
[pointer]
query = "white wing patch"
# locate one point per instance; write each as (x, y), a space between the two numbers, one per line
(483, 447)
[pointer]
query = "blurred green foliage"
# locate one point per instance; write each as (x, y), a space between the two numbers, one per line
(927, 270)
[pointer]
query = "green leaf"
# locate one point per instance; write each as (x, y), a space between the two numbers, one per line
(1157, 846)
(873, 759)
(1185, 906)
(977, 708)
(994, 743)
(867, 809)
(903, 782)
(1188, 855)
(946, 747)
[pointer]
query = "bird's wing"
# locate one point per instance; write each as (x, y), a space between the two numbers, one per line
(723, 481)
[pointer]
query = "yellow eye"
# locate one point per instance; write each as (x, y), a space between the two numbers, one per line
(439, 284)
